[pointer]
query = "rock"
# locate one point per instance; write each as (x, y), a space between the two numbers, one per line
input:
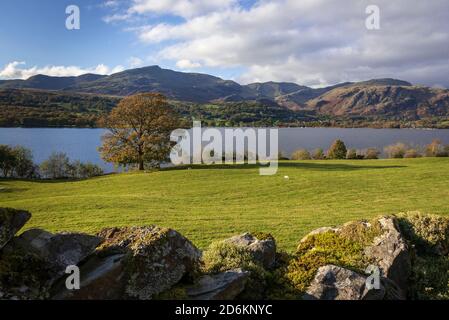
(222, 286)
(383, 246)
(101, 278)
(263, 251)
(318, 231)
(337, 283)
(58, 250)
(11, 221)
(390, 253)
(135, 263)
(32, 262)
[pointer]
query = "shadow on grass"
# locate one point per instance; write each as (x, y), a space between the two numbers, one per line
(298, 165)
(5, 188)
(50, 181)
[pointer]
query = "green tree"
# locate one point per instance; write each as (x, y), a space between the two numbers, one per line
(318, 154)
(24, 167)
(57, 166)
(337, 150)
(8, 160)
(84, 170)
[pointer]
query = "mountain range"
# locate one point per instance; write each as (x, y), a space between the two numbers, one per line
(386, 98)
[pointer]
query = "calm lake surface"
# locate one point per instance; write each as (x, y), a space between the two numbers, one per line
(82, 144)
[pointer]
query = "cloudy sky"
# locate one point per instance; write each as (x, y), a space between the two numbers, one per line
(310, 42)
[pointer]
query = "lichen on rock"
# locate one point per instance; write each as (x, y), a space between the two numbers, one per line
(146, 262)
(244, 252)
(353, 246)
(411, 251)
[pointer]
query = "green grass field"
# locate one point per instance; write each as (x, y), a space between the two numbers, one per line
(210, 203)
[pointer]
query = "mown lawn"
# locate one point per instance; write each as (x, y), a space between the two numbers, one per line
(210, 203)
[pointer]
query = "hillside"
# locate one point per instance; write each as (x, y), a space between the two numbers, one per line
(191, 87)
(406, 102)
(272, 90)
(49, 83)
(38, 108)
(377, 102)
(181, 86)
(317, 194)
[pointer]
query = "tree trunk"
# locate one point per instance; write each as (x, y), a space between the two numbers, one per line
(140, 152)
(141, 166)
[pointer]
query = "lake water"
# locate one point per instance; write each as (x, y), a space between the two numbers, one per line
(82, 144)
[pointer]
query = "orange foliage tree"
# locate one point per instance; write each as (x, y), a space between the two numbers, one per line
(139, 131)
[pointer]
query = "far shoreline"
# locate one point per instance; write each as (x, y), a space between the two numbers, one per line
(281, 127)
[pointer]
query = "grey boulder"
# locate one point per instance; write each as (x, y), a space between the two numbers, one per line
(135, 263)
(390, 253)
(38, 259)
(11, 221)
(337, 283)
(222, 286)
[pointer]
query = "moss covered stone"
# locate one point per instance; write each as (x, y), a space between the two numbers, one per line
(320, 250)
(343, 246)
(224, 256)
(429, 236)
(261, 246)
(262, 236)
(137, 263)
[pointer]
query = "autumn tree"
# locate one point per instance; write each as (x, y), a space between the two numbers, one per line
(139, 131)
(435, 149)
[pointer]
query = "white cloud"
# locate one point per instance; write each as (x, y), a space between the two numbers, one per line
(312, 42)
(135, 62)
(116, 17)
(187, 64)
(182, 8)
(16, 70)
(111, 3)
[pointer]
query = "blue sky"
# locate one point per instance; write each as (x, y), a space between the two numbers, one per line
(314, 43)
(34, 31)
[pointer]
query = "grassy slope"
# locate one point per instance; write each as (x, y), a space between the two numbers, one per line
(209, 203)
